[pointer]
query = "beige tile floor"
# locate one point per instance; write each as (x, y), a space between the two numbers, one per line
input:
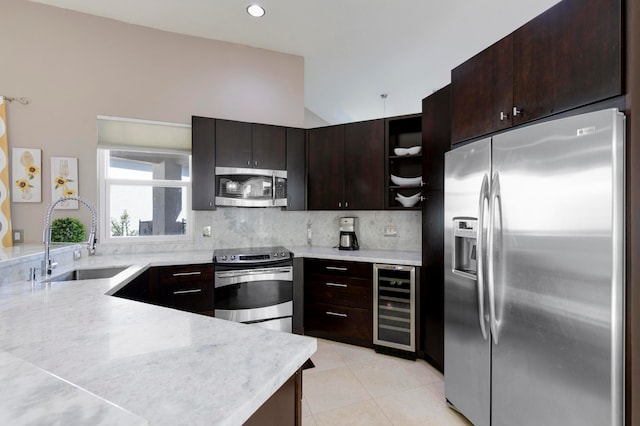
(356, 386)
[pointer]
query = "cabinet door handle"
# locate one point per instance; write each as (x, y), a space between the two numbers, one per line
(195, 290)
(186, 274)
(249, 163)
(255, 163)
(339, 203)
(336, 314)
(346, 204)
(336, 268)
(336, 285)
(503, 116)
(516, 111)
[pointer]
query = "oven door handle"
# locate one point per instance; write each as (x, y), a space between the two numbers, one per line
(232, 274)
(226, 278)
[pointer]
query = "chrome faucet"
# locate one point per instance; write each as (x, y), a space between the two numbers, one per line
(91, 242)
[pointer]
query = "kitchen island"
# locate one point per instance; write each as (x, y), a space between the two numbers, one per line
(159, 365)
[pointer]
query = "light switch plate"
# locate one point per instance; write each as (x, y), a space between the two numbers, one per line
(18, 236)
(206, 231)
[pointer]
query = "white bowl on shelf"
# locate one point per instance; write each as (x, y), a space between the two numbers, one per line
(414, 150)
(408, 201)
(400, 181)
(401, 151)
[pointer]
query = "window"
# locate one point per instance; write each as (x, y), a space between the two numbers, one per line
(145, 193)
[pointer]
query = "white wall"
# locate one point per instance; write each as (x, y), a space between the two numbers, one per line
(74, 67)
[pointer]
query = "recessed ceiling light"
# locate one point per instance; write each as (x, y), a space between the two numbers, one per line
(255, 10)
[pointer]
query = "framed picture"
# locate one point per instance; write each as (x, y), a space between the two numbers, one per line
(26, 175)
(64, 181)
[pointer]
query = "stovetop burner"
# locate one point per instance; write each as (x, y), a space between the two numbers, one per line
(251, 254)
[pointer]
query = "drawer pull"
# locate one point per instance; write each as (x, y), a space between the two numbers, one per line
(336, 314)
(336, 285)
(195, 290)
(336, 268)
(186, 274)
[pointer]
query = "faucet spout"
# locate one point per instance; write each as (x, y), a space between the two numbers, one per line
(91, 242)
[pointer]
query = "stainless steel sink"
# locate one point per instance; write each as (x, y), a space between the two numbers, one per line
(88, 274)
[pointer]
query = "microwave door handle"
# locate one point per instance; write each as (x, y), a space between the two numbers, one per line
(273, 188)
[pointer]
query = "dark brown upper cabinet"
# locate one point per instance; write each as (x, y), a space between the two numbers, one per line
(567, 57)
(364, 165)
(345, 167)
(203, 150)
(296, 169)
(250, 145)
(325, 168)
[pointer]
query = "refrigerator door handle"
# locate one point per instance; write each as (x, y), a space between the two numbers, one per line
(494, 206)
(484, 196)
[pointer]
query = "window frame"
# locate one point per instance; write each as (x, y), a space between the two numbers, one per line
(104, 193)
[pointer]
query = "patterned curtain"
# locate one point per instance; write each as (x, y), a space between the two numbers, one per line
(5, 200)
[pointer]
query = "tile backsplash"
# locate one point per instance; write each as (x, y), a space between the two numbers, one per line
(234, 227)
(245, 227)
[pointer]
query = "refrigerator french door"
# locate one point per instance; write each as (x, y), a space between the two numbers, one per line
(534, 274)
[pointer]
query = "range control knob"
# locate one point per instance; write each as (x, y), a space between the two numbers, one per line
(224, 257)
(232, 257)
(275, 254)
(283, 254)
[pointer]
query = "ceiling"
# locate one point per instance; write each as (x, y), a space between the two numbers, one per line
(354, 50)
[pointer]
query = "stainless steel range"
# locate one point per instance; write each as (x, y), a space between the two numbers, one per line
(254, 286)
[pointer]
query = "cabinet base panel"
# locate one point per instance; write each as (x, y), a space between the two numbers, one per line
(395, 352)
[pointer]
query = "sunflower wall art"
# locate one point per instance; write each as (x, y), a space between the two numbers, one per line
(26, 165)
(64, 181)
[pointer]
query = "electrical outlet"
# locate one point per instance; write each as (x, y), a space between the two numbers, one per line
(18, 236)
(390, 231)
(206, 231)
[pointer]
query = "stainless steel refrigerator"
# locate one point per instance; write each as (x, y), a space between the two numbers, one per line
(534, 274)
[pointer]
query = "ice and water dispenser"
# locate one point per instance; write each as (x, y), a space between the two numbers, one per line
(465, 235)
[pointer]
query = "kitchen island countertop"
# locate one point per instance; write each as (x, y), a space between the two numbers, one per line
(160, 365)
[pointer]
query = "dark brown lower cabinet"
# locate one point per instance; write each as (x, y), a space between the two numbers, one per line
(138, 289)
(338, 301)
(284, 408)
(185, 287)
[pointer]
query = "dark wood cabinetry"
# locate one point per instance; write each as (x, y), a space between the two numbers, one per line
(250, 145)
(283, 408)
(233, 144)
(138, 289)
(203, 159)
(296, 169)
(185, 287)
(569, 56)
(364, 161)
(345, 166)
(338, 301)
(403, 132)
(325, 168)
(269, 147)
(436, 139)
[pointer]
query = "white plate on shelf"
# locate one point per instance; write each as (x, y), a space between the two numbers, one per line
(401, 151)
(400, 181)
(407, 151)
(408, 201)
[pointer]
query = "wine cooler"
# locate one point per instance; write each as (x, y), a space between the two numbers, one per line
(394, 309)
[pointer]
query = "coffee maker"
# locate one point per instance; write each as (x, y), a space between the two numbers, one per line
(348, 240)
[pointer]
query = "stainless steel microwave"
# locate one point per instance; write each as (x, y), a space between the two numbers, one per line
(244, 187)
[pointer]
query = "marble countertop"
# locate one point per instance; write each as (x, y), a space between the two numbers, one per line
(411, 258)
(121, 358)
